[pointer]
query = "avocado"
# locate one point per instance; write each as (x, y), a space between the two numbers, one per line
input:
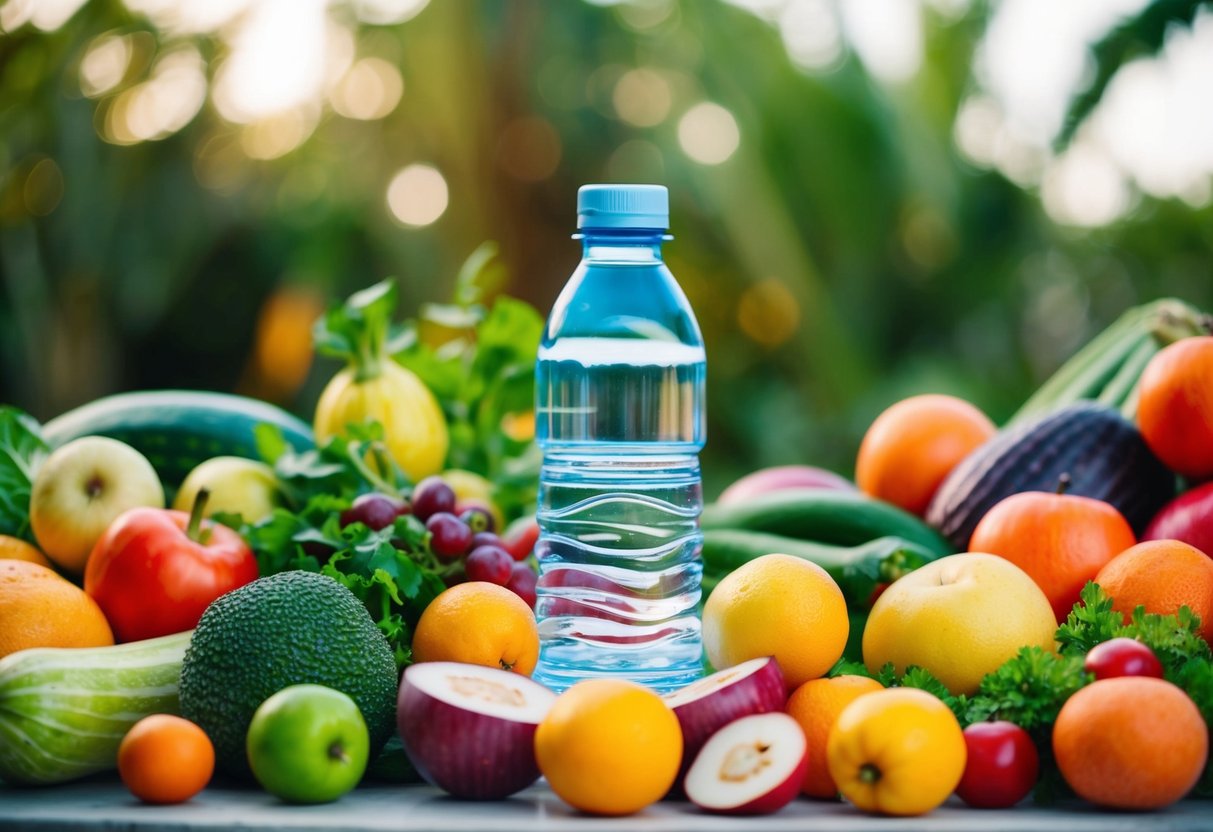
(286, 629)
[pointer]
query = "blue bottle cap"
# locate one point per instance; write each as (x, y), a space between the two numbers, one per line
(623, 206)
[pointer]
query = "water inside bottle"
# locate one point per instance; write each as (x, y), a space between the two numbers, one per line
(620, 421)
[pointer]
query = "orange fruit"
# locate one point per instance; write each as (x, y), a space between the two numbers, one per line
(38, 608)
(896, 752)
(609, 747)
(1061, 540)
(1162, 576)
(165, 759)
(14, 548)
(1132, 742)
(912, 446)
(816, 705)
(1175, 406)
(478, 623)
(777, 605)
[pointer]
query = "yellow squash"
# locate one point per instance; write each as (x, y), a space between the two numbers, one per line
(373, 387)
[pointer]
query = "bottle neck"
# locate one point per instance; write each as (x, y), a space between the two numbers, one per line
(627, 245)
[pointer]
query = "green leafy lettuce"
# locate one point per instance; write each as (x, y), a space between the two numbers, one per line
(392, 571)
(22, 451)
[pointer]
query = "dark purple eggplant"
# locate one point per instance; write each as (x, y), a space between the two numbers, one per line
(1102, 453)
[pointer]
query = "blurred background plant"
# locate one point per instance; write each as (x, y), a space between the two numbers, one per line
(870, 198)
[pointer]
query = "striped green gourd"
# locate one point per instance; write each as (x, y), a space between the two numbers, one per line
(64, 711)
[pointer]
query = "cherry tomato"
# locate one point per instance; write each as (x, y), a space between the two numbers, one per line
(1001, 768)
(1122, 657)
(520, 537)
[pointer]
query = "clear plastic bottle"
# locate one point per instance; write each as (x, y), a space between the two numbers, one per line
(620, 419)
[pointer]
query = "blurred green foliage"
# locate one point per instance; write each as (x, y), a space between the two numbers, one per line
(844, 256)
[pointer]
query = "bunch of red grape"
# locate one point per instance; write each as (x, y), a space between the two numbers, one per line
(458, 533)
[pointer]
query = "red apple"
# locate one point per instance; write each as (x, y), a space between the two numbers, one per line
(1189, 517)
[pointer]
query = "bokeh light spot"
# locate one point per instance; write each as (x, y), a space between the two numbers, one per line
(387, 12)
(768, 313)
(811, 33)
(161, 105)
(282, 347)
(417, 195)
(708, 133)
(277, 60)
(1084, 187)
(642, 98)
(371, 89)
(104, 64)
(278, 135)
(529, 149)
(188, 17)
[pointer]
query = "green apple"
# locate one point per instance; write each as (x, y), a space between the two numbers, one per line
(79, 491)
(237, 486)
(308, 744)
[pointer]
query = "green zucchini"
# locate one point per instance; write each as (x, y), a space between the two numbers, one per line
(64, 711)
(178, 429)
(858, 570)
(838, 518)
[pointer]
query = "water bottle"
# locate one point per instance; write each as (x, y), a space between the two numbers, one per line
(620, 420)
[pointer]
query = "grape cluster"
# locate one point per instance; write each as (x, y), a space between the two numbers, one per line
(457, 533)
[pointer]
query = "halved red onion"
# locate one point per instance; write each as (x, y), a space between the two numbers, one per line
(752, 766)
(706, 706)
(470, 730)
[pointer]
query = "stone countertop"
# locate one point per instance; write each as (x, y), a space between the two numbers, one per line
(103, 804)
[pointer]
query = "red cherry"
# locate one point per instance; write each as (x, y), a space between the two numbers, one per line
(1001, 766)
(1122, 657)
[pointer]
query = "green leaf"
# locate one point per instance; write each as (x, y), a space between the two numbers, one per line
(1028, 690)
(482, 274)
(1090, 622)
(22, 451)
(1175, 639)
(270, 442)
(360, 330)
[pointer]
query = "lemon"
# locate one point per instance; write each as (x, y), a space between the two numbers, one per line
(777, 605)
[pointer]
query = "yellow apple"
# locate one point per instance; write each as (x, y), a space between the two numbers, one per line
(960, 618)
(237, 486)
(79, 491)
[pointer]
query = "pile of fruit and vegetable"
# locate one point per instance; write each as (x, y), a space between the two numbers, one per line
(1005, 614)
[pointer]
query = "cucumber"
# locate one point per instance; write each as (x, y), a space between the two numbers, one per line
(178, 429)
(857, 570)
(64, 711)
(839, 518)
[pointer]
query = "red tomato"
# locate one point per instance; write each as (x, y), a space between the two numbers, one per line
(520, 537)
(1001, 767)
(1122, 657)
(153, 572)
